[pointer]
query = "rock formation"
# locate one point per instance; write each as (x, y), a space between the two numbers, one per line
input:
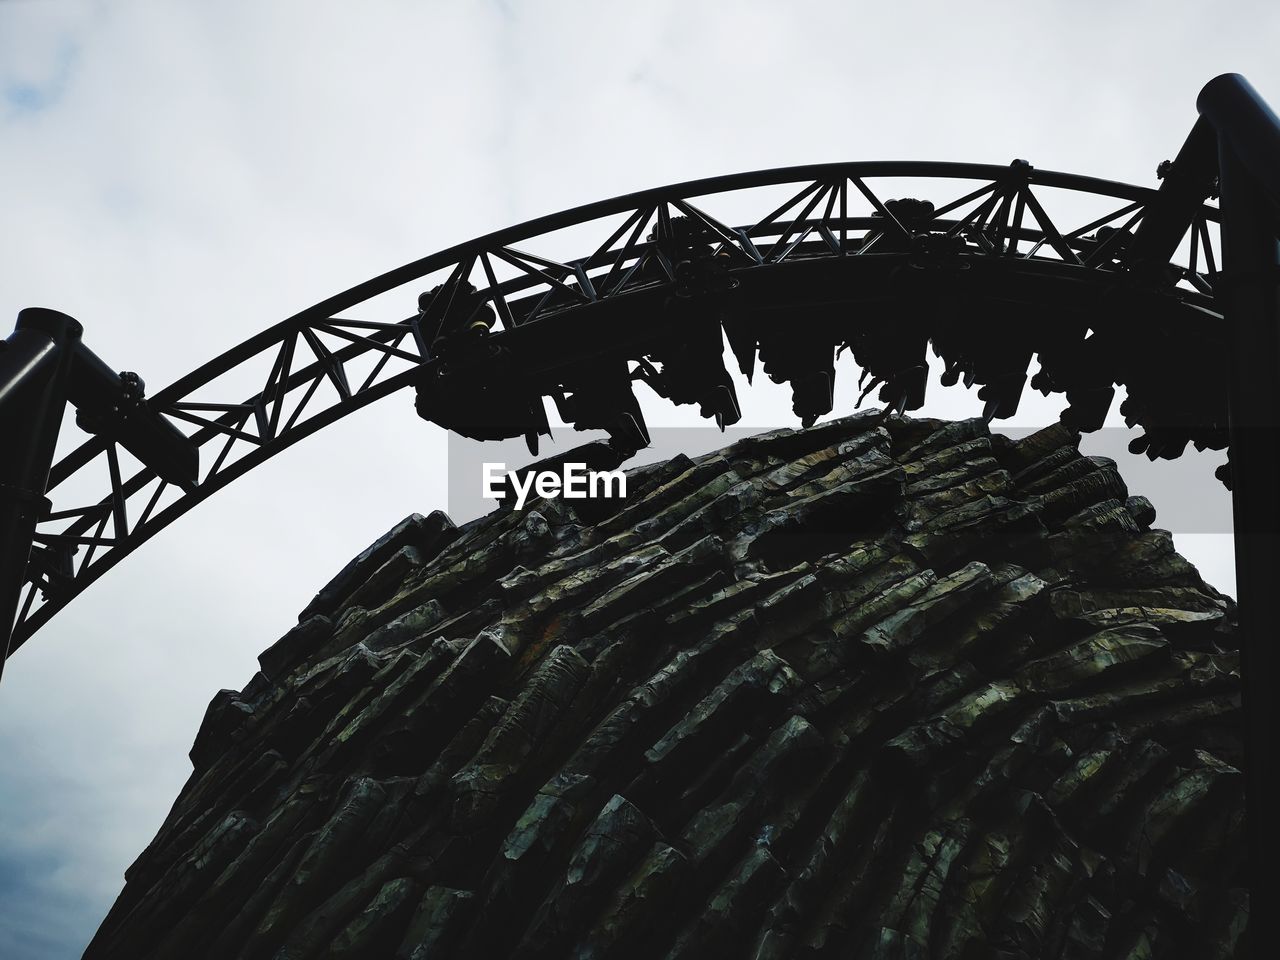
(874, 689)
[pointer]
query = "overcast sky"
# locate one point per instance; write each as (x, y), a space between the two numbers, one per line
(180, 175)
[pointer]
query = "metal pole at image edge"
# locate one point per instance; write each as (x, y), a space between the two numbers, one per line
(1249, 185)
(34, 366)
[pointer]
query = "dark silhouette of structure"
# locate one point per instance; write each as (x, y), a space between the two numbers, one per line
(990, 277)
(503, 328)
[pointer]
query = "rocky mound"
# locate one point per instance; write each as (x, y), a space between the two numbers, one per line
(875, 689)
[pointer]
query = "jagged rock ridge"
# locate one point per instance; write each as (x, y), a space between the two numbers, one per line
(875, 689)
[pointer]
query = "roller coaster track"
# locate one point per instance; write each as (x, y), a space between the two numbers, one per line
(1013, 224)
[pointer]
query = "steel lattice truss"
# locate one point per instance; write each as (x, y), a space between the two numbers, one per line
(324, 363)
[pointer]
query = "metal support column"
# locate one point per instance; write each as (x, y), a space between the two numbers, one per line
(1248, 151)
(34, 366)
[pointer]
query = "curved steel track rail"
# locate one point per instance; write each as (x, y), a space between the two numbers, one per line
(321, 364)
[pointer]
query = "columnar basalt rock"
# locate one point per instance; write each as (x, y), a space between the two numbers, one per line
(881, 688)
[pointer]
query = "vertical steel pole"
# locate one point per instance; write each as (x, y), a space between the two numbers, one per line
(1251, 261)
(1249, 190)
(30, 418)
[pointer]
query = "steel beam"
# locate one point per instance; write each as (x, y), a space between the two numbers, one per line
(35, 367)
(1249, 178)
(1244, 120)
(1187, 182)
(1251, 258)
